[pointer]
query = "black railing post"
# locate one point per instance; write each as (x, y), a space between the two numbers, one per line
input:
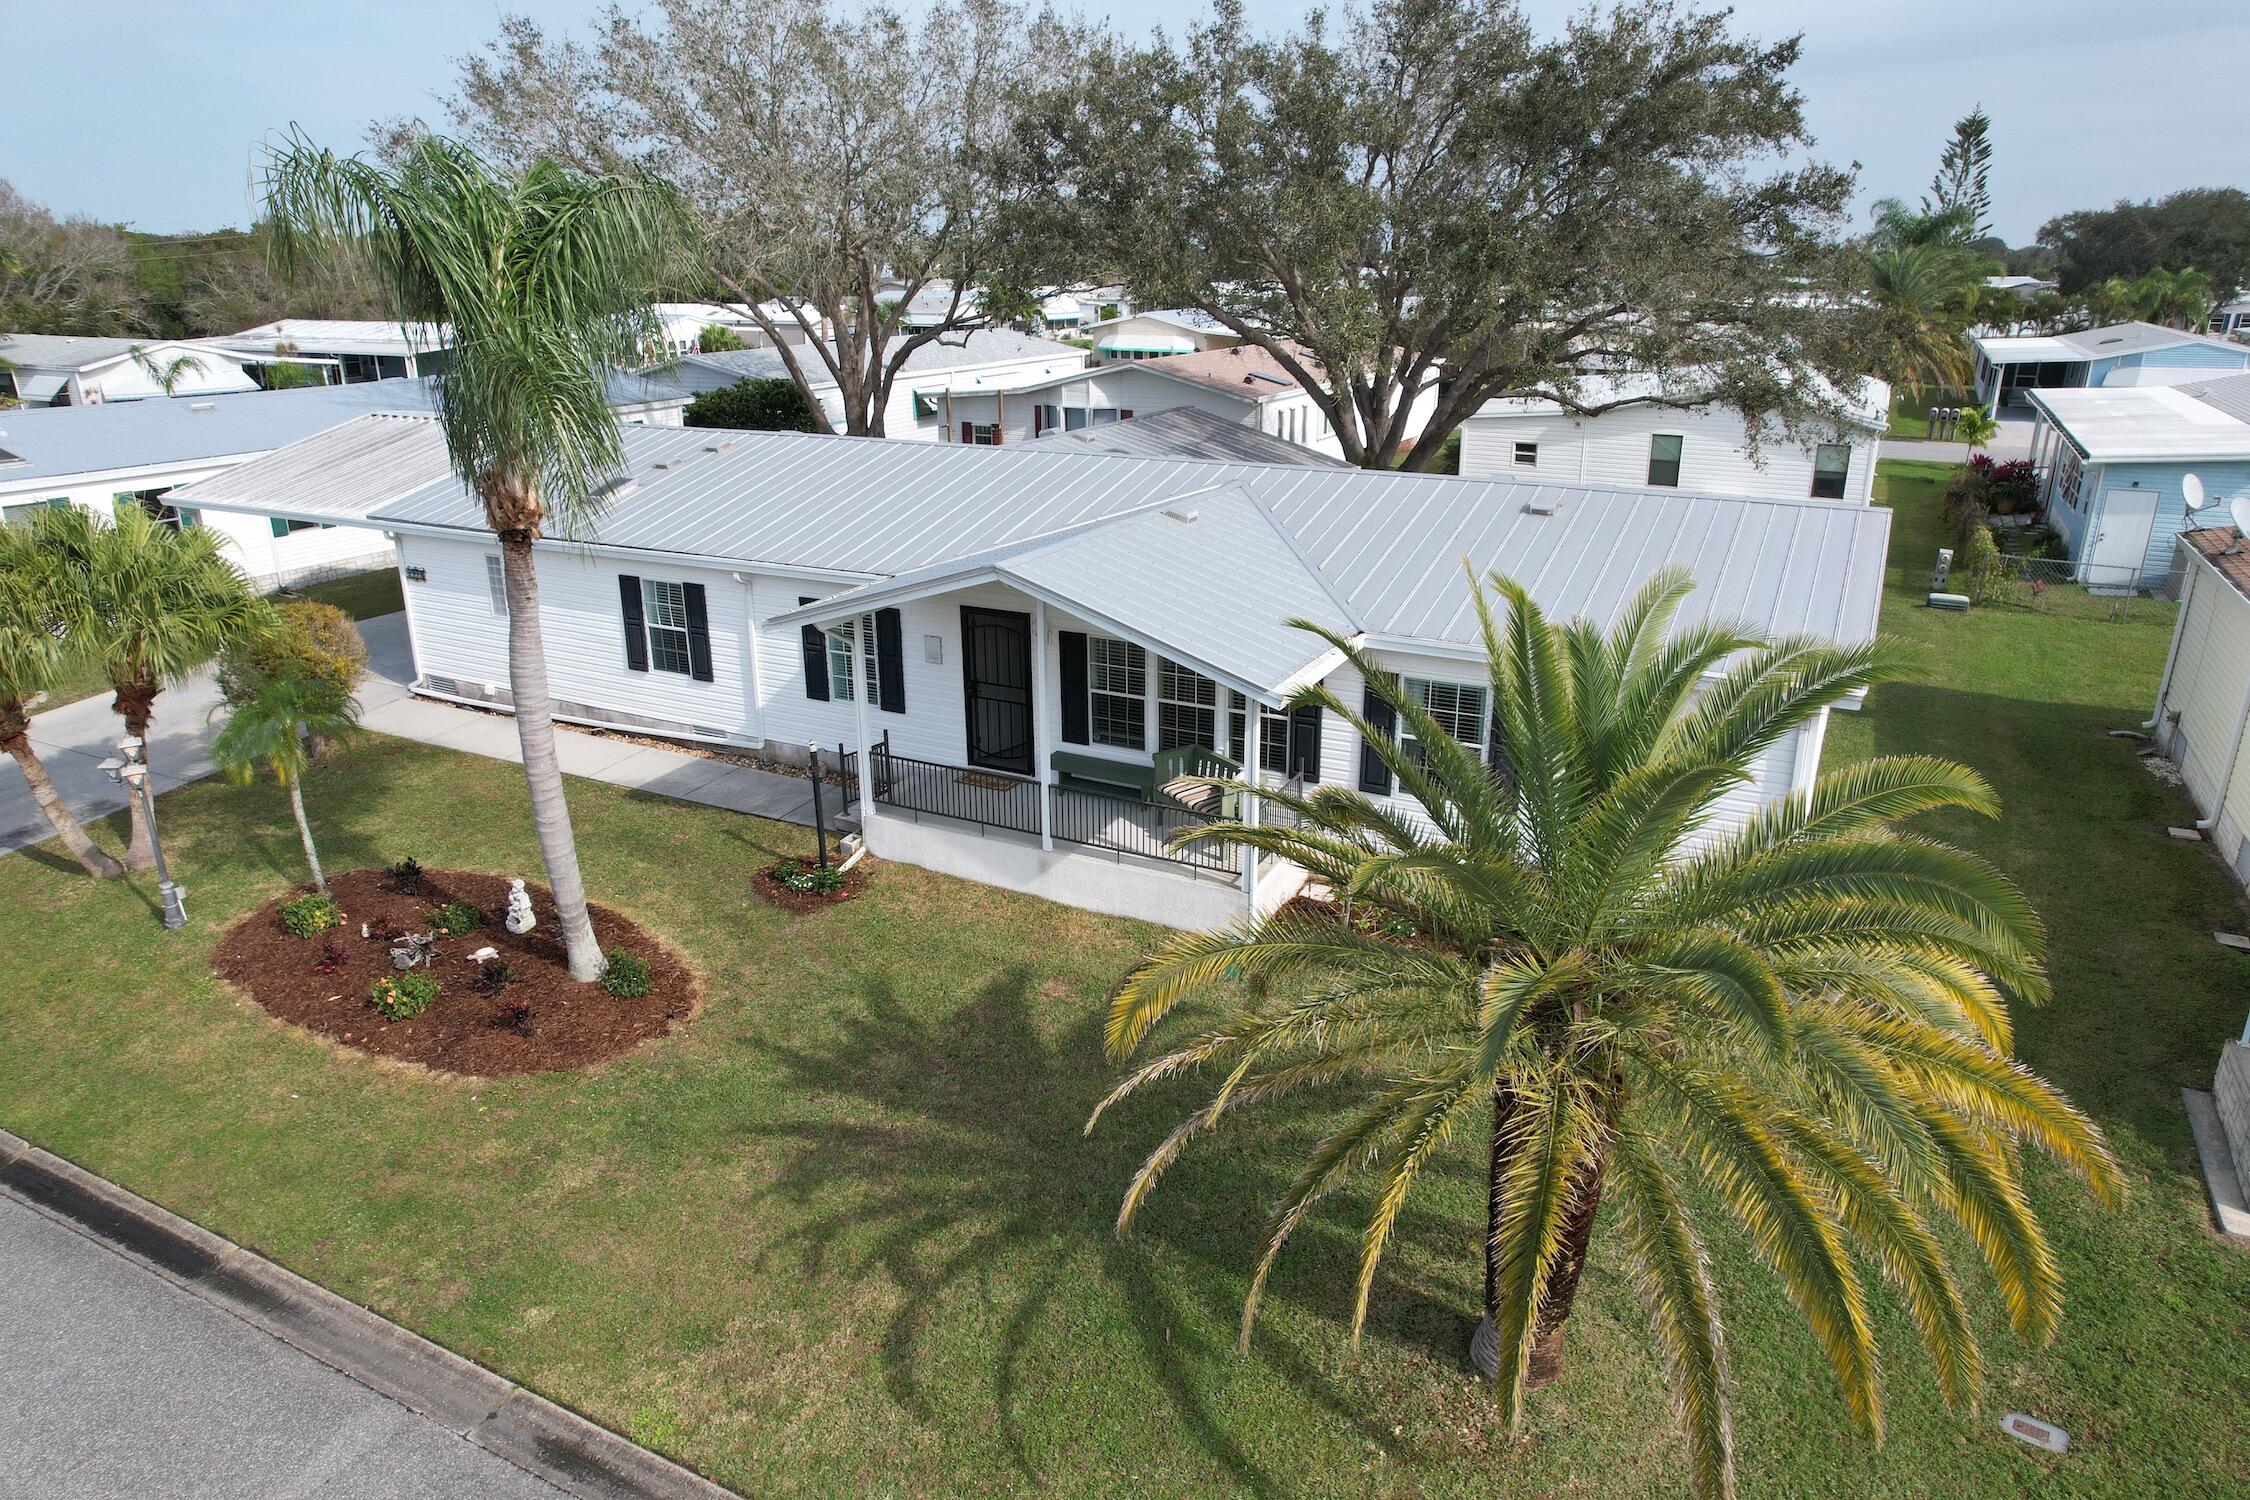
(819, 820)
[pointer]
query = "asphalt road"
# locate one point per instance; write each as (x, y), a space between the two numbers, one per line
(115, 1383)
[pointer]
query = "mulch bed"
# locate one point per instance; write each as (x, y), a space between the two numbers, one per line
(565, 1024)
(774, 893)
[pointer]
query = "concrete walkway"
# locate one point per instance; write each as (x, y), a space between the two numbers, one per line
(73, 740)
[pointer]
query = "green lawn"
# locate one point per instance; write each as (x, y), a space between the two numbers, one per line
(1910, 411)
(363, 596)
(842, 1235)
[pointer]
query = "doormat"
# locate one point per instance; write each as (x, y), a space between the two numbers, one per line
(986, 781)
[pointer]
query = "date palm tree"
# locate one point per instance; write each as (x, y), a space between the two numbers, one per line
(1920, 299)
(1800, 1026)
(545, 283)
(31, 658)
(145, 603)
(276, 724)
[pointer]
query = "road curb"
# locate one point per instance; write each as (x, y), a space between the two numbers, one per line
(577, 1456)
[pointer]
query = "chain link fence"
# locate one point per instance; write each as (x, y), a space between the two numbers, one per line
(2063, 586)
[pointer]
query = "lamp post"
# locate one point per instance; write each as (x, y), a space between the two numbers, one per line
(129, 769)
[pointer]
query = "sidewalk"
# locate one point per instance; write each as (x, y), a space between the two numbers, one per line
(73, 740)
(149, 1357)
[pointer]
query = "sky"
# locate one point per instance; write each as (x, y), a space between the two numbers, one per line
(150, 113)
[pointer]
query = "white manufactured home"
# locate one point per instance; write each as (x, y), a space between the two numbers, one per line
(2203, 707)
(59, 370)
(1673, 445)
(1025, 645)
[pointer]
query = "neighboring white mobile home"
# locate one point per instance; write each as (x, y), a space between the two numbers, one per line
(1675, 446)
(1023, 646)
(983, 360)
(1158, 332)
(2203, 707)
(360, 349)
(57, 370)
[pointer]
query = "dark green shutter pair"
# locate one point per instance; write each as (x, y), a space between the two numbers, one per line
(890, 660)
(636, 627)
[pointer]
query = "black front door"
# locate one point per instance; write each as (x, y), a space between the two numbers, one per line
(996, 687)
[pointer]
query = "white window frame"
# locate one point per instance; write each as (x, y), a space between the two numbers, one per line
(1117, 671)
(1843, 474)
(1527, 455)
(496, 584)
(1678, 460)
(664, 616)
(1274, 729)
(1430, 692)
(1201, 702)
(842, 678)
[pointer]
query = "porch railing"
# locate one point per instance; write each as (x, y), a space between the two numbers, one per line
(999, 799)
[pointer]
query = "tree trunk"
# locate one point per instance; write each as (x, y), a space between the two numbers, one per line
(542, 771)
(304, 833)
(1562, 1282)
(136, 704)
(96, 860)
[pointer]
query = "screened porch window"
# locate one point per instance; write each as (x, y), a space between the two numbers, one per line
(664, 605)
(1831, 466)
(1187, 708)
(1458, 707)
(1117, 693)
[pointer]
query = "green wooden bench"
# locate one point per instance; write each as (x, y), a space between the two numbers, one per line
(1113, 778)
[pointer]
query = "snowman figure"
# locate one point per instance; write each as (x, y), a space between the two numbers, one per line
(519, 919)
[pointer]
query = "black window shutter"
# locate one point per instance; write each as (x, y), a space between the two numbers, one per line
(698, 633)
(636, 628)
(1374, 776)
(890, 663)
(816, 660)
(1073, 644)
(1304, 742)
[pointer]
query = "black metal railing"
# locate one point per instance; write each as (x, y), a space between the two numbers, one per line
(998, 799)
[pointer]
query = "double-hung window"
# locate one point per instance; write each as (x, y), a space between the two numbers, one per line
(496, 584)
(1458, 707)
(842, 676)
(664, 606)
(1831, 467)
(1117, 693)
(1273, 734)
(1527, 455)
(1664, 459)
(1187, 707)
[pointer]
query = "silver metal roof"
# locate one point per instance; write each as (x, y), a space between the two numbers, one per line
(1390, 547)
(952, 351)
(57, 441)
(2230, 395)
(1188, 432)
(2090, 343)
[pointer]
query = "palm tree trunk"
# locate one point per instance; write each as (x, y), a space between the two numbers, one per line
(304, 833)
(1562, 1282)
(96, 860)
(136, 704)
(542, 770)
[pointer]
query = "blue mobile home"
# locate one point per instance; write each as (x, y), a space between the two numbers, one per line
(2009, 370)
(2114, 464)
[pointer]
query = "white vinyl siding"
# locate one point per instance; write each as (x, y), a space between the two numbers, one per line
(1611, 451)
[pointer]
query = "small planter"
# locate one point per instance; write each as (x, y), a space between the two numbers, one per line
(794, 885)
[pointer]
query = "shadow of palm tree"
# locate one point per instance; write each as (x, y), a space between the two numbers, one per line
(957, 1169)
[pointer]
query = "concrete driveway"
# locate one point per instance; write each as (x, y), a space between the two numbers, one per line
(74, 740)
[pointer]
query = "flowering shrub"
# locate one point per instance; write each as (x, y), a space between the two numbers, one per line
(455, 918)
(310, 915)
(814, 880)
(400, 996)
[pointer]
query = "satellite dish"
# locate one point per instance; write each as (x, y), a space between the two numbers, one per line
(2241, 511)
(2192, 488)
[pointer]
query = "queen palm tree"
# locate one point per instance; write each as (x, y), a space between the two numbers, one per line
(1800, 1025)
(31, 657)
(167, 373)
(545, 281)
(275, 725)
(145, 603)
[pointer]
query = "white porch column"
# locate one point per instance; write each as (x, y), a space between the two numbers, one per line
(1041, 763)
(860, 690)
(1252, 773)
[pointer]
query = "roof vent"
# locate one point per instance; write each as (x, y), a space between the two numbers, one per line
(718, 447)
(203, 406)
(1540, 503)
(1181, 514)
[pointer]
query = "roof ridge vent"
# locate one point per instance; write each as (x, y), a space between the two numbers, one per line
(203, 406)
(719, 447)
